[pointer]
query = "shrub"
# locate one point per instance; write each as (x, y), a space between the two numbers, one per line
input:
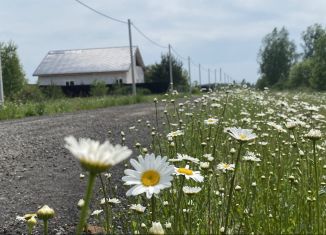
(53, 92)
(29, 93)
(99, 89)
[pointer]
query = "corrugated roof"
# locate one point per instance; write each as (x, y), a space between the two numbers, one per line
(87, 61)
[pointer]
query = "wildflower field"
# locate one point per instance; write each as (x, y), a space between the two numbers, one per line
(233, 161)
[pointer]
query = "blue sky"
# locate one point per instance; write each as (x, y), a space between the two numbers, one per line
(215, 33)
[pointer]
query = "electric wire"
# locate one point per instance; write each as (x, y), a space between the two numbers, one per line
(148, 38)
(100, 13)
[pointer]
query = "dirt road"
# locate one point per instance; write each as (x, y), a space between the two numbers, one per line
(36, 169)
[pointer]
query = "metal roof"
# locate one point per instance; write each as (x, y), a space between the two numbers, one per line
(94, 60)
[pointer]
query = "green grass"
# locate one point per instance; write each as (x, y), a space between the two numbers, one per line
(14, 110)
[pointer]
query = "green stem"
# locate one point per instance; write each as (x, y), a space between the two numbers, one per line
(153, 209)
(106, 207)
(316, 187)
(88, 195)
(231, 189)
(45, 227)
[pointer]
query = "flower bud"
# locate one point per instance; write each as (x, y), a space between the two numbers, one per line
(45, 213)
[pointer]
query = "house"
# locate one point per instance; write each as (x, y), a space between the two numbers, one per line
(80, 67)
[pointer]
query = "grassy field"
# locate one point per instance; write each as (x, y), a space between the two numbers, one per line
(237, 161)
(14, 110)
(272, 184)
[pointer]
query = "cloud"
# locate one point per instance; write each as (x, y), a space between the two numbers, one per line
(224, 33)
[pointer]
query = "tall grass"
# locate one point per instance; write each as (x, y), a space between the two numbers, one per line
(15, 110)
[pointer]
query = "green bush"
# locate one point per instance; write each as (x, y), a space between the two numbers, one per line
(99, 89)
(29, 93)
(53, 92)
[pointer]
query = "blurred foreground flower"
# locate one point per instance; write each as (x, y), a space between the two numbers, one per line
(95, 157)
(151, 174)
(156, 229)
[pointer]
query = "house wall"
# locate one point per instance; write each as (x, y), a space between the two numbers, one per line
(139, 75)
(82, 79)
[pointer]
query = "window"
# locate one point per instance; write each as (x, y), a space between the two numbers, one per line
(72, 83)
(67, 83)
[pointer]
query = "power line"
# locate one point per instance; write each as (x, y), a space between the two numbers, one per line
(100, 13)
(177, 54)
(148, 38)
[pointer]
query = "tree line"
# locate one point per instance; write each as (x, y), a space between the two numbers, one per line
(282, 67)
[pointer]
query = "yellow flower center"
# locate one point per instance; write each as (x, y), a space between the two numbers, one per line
(185, 171)
(150, 178)
(242, 137)
(226, 166)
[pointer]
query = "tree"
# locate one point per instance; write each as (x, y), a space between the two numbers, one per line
(12, 71)
(160, 73)
(275, 58)
(300, 74)
(309, 37)
(318, 78)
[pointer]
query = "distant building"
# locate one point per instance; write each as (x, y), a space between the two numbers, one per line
(84, 66)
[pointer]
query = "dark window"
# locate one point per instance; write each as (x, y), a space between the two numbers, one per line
(67, 83)
(120, 81)
(72, 83)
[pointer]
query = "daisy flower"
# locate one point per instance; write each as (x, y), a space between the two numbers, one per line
(138, 208)
(173, 134)
(313, 134)
(225, 167)
(95, 157)
(211, 121)
(184, 157)
(156, 229)
(97, 212)
(189, 174)
(191, 190)
(251, 157)
(242, 135)
(151, 174)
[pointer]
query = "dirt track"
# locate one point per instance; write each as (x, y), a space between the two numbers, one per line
(36, 169)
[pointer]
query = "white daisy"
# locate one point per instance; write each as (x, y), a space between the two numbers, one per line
(241, 135)
(251, 157)
(173, 134)
(225, 167)
(191, 190)
(156, 229)
(97, 212)
(313, 134)
(151, 174)
(211, 121)
(95, 157)
(138, 208)
(184, 157)
(189, 174)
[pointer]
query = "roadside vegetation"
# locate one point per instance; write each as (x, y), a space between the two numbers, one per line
(234, 161)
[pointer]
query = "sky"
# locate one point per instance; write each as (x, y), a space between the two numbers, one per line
(217, 34)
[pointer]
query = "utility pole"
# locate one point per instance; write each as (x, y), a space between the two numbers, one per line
(170, 68)
(189, 73)
(209, 78)
(199, 76)
(132, 60)
(220, 75)
(215, 79)
(1, 83)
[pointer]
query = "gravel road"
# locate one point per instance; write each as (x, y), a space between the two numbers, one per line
(36, 169)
